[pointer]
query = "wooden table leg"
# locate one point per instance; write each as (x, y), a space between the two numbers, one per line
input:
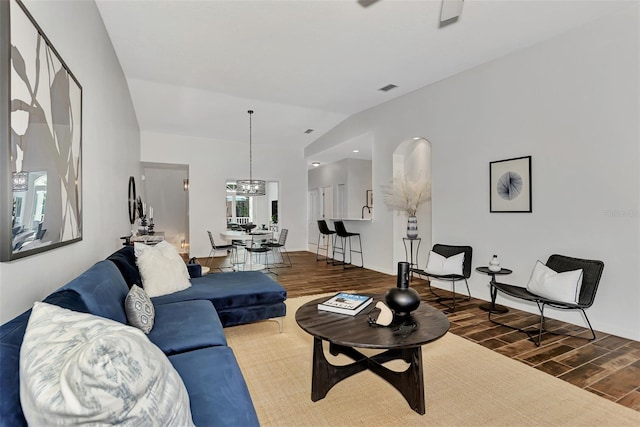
(325, 375)
(410, 383)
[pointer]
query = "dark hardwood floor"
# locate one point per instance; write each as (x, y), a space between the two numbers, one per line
(608, 366)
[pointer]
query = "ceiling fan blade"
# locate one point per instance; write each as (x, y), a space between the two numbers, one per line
(450, 12)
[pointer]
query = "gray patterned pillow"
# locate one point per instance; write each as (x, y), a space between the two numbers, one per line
(139, 309)
(81, 369)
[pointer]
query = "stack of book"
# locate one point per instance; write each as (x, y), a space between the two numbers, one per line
(344, 303)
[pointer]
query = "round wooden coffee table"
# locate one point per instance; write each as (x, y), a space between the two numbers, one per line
(346, 333)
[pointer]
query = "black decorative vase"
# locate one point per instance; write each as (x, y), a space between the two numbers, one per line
(402, 300)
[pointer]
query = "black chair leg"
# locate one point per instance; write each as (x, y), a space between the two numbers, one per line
(330, 244)
(346, 246)
(441, 300)
(340, 250)
(268, 269)
(593, 334)
(529, 333)
(318, 249)
(360, 252)
(347, 242)
(282, 262)
(542, 328)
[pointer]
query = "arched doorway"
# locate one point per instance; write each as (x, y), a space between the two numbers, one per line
(412, 159)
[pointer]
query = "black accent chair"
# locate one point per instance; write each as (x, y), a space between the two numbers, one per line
(324, 231)
(279, 247)
(345, 239)
(591, 274)
(449, 251)
(214, 248)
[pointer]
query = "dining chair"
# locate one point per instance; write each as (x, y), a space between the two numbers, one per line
(230, 250)
(280, 248)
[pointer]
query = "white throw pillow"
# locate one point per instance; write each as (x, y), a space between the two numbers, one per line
(162, 269)
(77, 368)
(563, 287)
(441, 266)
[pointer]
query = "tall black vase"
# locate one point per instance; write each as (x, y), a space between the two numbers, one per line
(402, 299)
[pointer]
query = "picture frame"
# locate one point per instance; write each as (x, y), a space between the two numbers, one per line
(41, 113)
(370, 198)
(510, 185)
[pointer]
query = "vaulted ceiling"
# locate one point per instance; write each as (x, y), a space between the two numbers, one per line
(195, 67)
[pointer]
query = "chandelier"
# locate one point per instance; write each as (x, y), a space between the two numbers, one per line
(20, 181)
(250, 187)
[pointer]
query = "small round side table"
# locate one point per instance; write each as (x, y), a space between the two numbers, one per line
(492, 306)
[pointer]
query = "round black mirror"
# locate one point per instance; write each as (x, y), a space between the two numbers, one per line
(132, 200)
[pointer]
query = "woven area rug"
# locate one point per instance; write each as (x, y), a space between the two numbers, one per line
(465, 385)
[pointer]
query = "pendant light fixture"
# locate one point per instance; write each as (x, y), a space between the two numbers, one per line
(20, 181)
(250, 187)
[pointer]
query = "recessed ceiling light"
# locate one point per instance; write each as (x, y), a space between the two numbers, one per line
(388, 87)
(356, 151)
(315, 164)
(308, 131)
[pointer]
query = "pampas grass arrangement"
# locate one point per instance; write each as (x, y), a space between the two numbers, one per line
(405, 195)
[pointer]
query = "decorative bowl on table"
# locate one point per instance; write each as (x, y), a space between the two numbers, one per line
(248, 227)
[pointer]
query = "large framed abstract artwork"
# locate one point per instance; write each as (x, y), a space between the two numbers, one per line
(41, 147)
(510, 185)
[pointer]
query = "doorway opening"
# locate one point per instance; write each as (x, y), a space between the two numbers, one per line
(165, 188)
(412, 160)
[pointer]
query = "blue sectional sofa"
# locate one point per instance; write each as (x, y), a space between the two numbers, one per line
(188, 328)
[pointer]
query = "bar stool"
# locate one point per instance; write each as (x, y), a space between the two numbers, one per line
(324, 231)
(345, 238)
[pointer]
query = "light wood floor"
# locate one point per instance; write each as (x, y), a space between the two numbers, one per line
(608, 366)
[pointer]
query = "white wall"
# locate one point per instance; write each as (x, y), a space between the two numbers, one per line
(329, 174)
(354, 174)
(212, 162)
(110, 150)
(358, 182)
(572, 103)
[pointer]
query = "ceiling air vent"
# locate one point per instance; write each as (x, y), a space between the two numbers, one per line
(388, 87)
